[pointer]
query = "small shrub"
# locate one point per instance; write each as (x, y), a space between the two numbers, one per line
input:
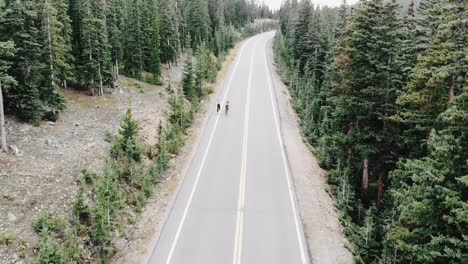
(150, 153)
(101, 232)
(169, 89)
(9, 197)
(126, 145)
(175, 141)
(147, 185)
(47, 224)
(80, 208)
(158, 82)
(88, 176)
(7, 239)
(208, 89)
(48, 251)
(51, 116)
(108, 137)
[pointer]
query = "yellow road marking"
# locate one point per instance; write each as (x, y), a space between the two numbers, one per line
(240, 209)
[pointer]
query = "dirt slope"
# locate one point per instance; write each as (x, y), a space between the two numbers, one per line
(42, 177)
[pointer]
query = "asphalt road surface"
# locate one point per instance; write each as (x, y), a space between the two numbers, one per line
(237, 203)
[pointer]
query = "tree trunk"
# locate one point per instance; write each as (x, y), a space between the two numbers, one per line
(117, 69)
(380, 192)
(101, 91)
(350, 149)
(2, 122)
(365, 175)
(49, 42)
(451, 94)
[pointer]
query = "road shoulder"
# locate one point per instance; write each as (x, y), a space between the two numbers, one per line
(320, 219)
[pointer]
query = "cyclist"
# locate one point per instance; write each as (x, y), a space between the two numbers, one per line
(227, 107)
(218, 107)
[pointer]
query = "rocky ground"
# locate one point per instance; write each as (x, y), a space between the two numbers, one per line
(41, 175)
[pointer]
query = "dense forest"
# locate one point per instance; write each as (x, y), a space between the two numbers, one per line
(382, 95)
(46, 45)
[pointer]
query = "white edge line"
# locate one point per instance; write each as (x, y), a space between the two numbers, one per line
(182, 221)
(286, 168)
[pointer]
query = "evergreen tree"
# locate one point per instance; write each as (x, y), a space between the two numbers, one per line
(151, 49)
(301, 31)
(188, 81)
(372, 87)
(198, 22)
(168, 37)
(134, 38)
(64, 50)
(438, 75)
(115, 28)
(7, 52)
(56, 47)
(431, 202)
(20, 24)
(96, 64)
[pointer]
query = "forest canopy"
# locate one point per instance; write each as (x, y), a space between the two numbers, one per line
(86, 44)
(381, 92)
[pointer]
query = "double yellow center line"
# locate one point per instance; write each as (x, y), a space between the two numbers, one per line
(240, 207)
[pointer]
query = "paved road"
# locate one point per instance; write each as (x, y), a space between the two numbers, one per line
(236, 204)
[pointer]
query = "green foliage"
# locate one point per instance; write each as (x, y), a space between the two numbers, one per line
(33, 70)
(7, 239)
(48, 251)
(428, 195)
(7, 52)
(188, 80)
(85, 44)
(47, 224)
(126, 145)
(81, 210)
(369, 88)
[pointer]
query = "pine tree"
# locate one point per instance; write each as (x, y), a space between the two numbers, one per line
(198, 22)
(55, 57)
(7, 52)
(437, 76)
(134, 38)
(115, 27)
(431, 202)
(188, 81)
(96, 64)
(151, 50)
(168, 37)
(301, 34)
(127, 145)
(21, 25)
(64, 50)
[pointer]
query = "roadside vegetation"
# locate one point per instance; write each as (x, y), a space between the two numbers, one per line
(129, 177)
(47, 46)
(381, 93)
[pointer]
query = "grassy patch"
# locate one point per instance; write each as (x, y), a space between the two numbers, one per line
(7, 239)
(9, 197)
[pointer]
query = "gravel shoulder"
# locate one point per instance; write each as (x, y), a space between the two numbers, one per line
(326, 242)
